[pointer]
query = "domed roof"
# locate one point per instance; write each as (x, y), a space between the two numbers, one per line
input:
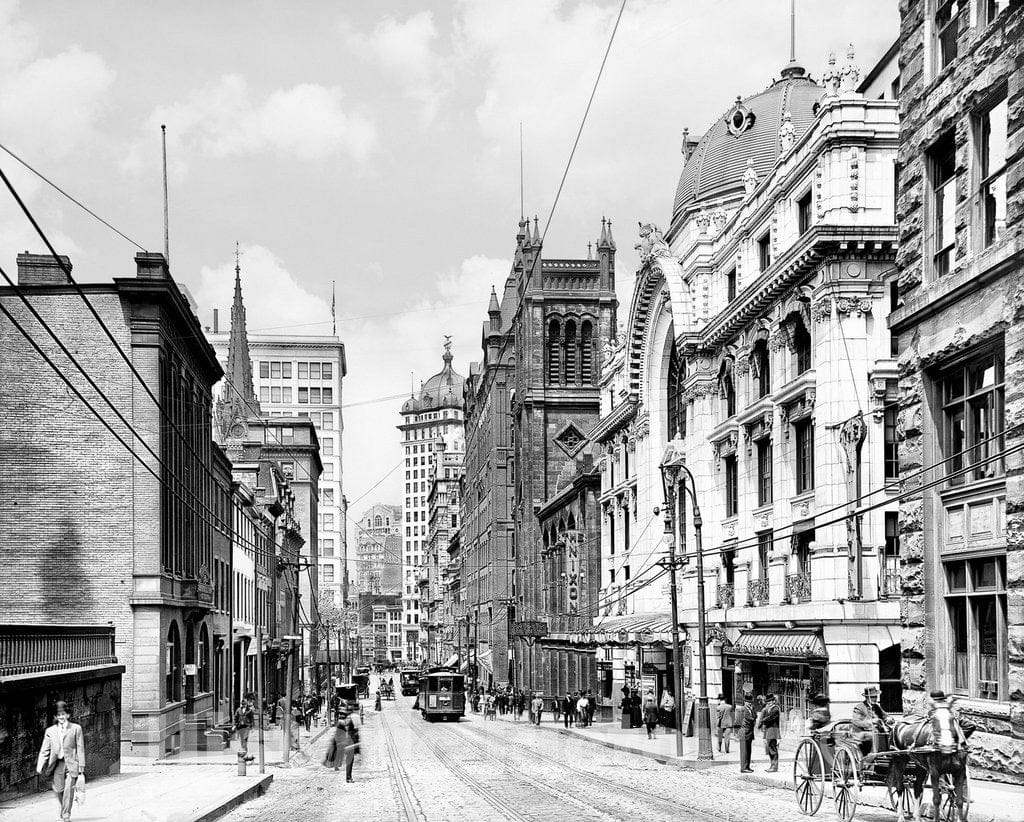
(443, 390)
(748, 130)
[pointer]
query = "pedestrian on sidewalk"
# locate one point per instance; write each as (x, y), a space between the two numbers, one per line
(723, 722)
(537, 707)
(746, 731)
(62, 756)
(243, 726)
(591, 707)
(668, 709)
(650, 713)
(344, 745)
(770, 724)
(581, 711)
(568, 711)
(296, 723)
(556, 708)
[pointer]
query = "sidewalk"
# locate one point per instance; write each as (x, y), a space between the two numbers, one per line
(991, 802)
(176, 789)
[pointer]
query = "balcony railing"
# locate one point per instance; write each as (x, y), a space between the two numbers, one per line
(28, 649)
(889, 584)
(798, 587)
(757, 592)
(726, 595)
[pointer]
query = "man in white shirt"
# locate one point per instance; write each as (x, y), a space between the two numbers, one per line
(63, 755)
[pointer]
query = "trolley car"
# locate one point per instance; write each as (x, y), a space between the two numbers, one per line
(442, 694)
(409, 679)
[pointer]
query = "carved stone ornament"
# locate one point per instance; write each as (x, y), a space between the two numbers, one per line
(719, 218)
(643, 428)
(703, 221)
(801, 510)
(822, 310)
(832, 77)
(762, 521)
(749, 178)
(878, 390)
(779, 339)
(819, 182)
(652, 243)
(787, 134)
(850, 73)
(853, 305)
(631, 444)
(730, 529)
(854, 178)
(742, 366)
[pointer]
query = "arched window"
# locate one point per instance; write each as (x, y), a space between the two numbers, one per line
(570, 353)
(586, 353)
(727, 386)
(761, 368)
(554, 352)
(676, 417)
(172, 676)
(203, 659)
(802, 346)
(377, 522)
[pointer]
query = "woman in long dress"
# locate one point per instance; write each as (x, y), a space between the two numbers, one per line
(341, 750)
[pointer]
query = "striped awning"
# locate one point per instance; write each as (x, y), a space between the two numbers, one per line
(485, 662)
(779, 644)
(636, 629)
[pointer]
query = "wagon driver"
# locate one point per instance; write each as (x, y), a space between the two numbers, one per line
(867, 718)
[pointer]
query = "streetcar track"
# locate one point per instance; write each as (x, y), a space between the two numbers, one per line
(673, 806)
(405, 793)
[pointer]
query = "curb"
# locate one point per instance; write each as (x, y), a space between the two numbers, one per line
(228, 805)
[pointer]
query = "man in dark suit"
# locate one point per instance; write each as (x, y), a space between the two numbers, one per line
(568, 710)
(770, 724)
(746, 731)
(63, 755)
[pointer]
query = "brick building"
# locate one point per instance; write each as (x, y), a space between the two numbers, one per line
(443, 522)
(960, 324)
(379, 550)
(130, 550)
(567, 317)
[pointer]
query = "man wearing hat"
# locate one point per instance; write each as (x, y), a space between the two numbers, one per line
(746, 731)
(821, 715)
(867, 718)
(63, 755)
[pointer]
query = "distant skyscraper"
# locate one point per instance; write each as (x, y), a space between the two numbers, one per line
(379, 550)
(435, 413)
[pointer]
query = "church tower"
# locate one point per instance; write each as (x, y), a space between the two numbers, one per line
(237, 401)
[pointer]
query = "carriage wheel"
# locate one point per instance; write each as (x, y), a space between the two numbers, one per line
(808, 777)
(845, 784)
(947, 800)
(902, 798)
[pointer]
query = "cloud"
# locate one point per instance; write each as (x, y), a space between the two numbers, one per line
(49, 105)
(406, 49)
(227, 119)
(274, 299)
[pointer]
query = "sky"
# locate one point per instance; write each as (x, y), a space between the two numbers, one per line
(373, 147)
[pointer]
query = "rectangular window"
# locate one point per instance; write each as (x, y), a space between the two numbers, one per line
(803, 213)
(989, 10)
(326, 370)
(731, 487)
(947, 31)
(275, 370)
(328, 573)
(327, 547)
(976, 609)
(804, 431)
(730, 285)
(264, 393)
(314, 396)
(303, 396)
(764, 472)
(991, 130)
(287, 436)
(328, 496)
(264, 370)
(892, 444)
(890, 572)
(286, 370)
(275, 393)
(973, 419)
(328, 423)
(329, 470)
(942, 171)
(314, 417)
(286, 394)
(764, 251)
(328, 396)
(303, 371)
(764, 550)
(327, 445)
(314, 370)
(328, 522)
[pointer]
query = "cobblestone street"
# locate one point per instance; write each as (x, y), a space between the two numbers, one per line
(413, 770)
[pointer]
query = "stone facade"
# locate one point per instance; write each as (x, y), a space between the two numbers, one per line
(567, 318)
(960, 324)
(379, 550)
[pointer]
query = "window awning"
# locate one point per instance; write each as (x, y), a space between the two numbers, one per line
(485, 662)
(779, 644)
(640, 629)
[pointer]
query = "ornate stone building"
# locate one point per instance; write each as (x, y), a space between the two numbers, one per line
(379, 550)
(567, 316)
(757, 344)
(960, 325)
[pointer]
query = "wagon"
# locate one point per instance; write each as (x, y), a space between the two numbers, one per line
(830, 755)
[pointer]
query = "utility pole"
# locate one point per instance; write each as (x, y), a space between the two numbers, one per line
(259, 694)
(288, 700)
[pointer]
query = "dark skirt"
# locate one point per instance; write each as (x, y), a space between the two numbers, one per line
(335, 757)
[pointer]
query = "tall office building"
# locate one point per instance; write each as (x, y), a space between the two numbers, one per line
(433, 414)
(296, 375)
(379, 550)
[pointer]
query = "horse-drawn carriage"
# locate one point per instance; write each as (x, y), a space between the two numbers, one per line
(387, 690)
(900, 760)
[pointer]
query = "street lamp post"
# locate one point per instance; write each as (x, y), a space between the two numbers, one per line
(674, 476)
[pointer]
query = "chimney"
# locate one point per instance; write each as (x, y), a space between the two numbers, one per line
(42, 269)
(216, 321)
(151, 266)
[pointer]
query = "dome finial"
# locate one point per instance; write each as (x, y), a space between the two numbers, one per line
(792, 68)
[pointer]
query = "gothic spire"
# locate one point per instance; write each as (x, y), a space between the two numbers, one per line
(238, 400)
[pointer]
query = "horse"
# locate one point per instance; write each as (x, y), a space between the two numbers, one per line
(945, 754)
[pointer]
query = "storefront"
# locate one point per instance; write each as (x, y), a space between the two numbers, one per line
(793, 665)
